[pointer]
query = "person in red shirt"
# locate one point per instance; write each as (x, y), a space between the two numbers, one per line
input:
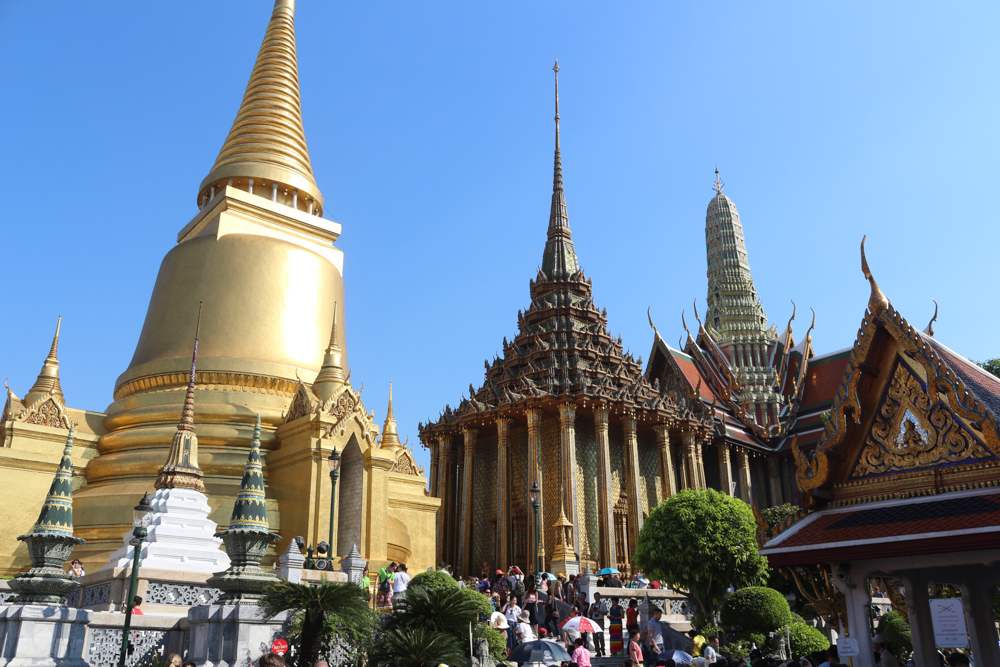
(632, 618)
(136, 601)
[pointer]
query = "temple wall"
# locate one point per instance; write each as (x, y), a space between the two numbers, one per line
(550, 480)
(650, 484)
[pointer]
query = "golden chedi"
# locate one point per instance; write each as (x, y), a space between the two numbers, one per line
(262, 259)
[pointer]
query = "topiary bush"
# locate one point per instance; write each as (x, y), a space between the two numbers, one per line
(483, 605)
(756, 608)
(896, 632)
(498, 645)
(433, 579)
(806, 639)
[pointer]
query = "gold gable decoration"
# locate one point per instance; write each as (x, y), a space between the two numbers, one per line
(406, 464)
(911, 433)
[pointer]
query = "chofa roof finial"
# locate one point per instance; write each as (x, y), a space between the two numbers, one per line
(877, 302)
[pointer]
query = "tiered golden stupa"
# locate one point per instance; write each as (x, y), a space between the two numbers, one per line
(261, 257)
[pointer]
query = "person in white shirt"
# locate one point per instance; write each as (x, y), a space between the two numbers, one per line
(524, 632)
(711, 650)
(401, 581)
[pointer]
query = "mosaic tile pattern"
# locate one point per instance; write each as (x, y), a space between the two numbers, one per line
(586, 487)
(650, 492)
(550, 481)
(484, 499)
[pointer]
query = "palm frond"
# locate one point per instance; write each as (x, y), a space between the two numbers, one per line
(419, 647)
(445, 610)
(328, 598)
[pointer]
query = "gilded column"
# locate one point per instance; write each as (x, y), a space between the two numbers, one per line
(503, 495)
(668, 484)
(534, 416)
(744, 461)
(632, 484)
(604, 513)
(567, 432)
(699, 458)
(442, 492)
(774, 477)
(684, 468)
(689, 441)
(465, 522)
(432, 447)
(725, 469)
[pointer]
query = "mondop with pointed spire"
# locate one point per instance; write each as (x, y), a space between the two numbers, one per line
(559, 260)
(247, 536)
(51, 542)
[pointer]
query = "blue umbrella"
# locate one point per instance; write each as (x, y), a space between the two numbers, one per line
(679, 657)
(548, 575)
(608, 570)
(542, 650)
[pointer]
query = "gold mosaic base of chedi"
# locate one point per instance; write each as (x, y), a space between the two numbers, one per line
(269, 277)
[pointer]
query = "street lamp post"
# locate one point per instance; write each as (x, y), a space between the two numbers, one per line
(536, 501)
(142, 514)
(334, 462)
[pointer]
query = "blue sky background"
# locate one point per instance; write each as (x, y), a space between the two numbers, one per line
(430, 130)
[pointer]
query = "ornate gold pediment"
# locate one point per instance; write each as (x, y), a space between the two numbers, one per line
(49, 412)
(910, 432)
(406, 464)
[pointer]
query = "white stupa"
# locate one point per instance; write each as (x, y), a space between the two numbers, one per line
(180, 535)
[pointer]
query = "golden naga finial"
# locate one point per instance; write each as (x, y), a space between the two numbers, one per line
(811, 326)
(718, 183)
(877, 302)
(650, 317)
(930, 325)
(788, 328)
(700, 325)
(685, 325)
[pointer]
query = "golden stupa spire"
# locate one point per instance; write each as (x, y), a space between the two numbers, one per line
(266, 146)
(48, 378)
(181, 469)
(390, 438)
(331, 373)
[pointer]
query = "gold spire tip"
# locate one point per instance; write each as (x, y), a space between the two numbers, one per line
(719, 184)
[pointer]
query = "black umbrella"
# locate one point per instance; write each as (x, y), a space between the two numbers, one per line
(540, 650)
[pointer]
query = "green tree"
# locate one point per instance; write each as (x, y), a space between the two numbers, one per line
(991, 366)
(896, 632)
(756, 609)
(314, 606)
(702, 542)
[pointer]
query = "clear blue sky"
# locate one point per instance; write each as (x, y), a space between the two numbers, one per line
(430, 130)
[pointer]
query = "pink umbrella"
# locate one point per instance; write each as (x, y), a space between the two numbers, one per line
(579, 624)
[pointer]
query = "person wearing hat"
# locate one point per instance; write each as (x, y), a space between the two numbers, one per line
(523, 631)
(886, 658)
(499, 623)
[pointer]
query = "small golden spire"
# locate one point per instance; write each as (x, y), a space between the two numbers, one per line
(267, 141)
(718, 183)
(47, 382)
(877, 302)
(181, 469)
(331, 373)
(390, 438)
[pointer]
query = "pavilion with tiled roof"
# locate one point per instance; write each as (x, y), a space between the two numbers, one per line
(903, 483)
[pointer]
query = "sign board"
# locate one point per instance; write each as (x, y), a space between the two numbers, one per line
(279, 647)
(847, 647)
(948, 618)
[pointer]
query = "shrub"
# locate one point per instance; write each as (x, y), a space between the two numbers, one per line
(806, 639)
(896, 632)
(434, 579)
(758, 639)
(498, 645)
(482, 603)
(756, 608)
